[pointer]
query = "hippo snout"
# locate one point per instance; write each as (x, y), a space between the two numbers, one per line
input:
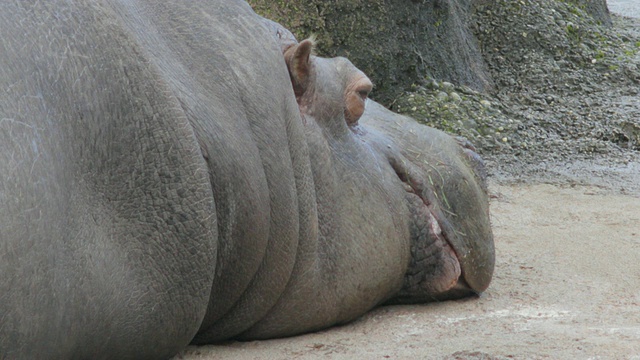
(445, 181)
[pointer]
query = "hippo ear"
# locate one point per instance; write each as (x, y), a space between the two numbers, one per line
(298, 59)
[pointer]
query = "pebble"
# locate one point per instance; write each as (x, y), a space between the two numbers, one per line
(442, 96)
(447, 86)
(433, 84)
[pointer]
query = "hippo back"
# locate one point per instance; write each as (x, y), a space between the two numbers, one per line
(130, 133)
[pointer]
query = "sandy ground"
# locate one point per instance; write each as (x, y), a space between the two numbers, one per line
(566, 286)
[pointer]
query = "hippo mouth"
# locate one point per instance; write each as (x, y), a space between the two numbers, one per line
(435, 271)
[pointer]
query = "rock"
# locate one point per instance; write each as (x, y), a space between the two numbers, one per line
(455, 97)
(552, 103)
(447, 86)
(442, 96)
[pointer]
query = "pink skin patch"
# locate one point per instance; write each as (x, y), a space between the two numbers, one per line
(448, 277)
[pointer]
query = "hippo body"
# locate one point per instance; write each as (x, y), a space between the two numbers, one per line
(160, 185)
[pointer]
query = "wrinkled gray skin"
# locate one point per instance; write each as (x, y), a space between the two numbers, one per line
(158, 186)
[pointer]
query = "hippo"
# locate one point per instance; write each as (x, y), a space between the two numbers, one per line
(173, 174)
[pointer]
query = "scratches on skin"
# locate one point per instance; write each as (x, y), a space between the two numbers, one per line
(7, 126)
(14, 121)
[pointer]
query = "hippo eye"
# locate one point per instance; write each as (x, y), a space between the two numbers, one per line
(363, 94)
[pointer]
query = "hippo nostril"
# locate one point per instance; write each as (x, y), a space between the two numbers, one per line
(465, 143)
(476, 162)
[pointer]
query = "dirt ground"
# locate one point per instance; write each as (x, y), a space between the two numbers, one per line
(566, 286)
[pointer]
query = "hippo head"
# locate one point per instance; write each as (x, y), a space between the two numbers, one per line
(413, 184)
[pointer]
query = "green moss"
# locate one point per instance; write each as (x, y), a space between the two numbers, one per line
(574, 33)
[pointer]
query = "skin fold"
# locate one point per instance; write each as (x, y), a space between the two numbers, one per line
(169, 175)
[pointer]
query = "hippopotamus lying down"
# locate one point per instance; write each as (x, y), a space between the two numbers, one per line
(169, 176)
